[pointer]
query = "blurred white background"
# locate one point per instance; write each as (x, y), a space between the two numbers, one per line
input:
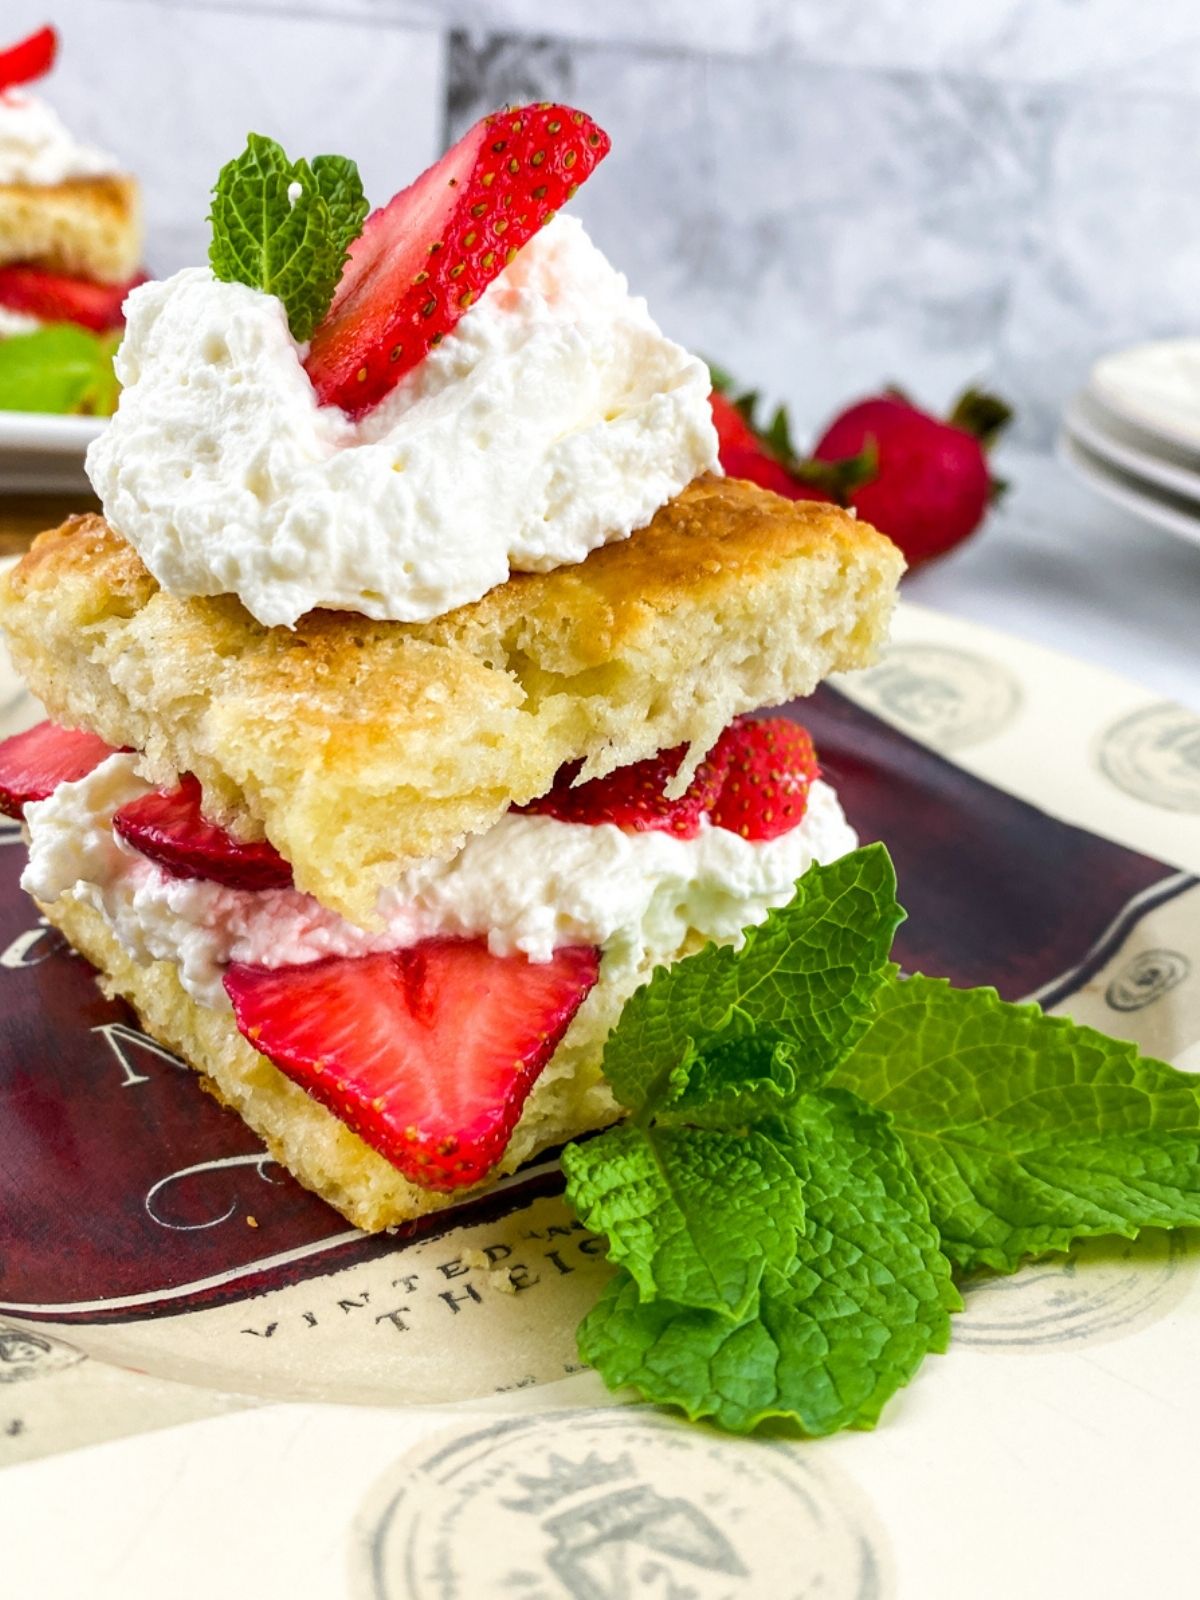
(822, 196)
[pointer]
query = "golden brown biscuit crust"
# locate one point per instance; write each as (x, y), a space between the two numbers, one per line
(83, 227)
(359, 747)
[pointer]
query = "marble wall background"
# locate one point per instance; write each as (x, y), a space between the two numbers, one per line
(821, 194)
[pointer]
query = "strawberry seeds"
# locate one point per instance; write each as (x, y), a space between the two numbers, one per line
(424, 258)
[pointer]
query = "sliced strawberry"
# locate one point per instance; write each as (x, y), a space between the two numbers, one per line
(423, 258)
(34, 763)
(53, 298)
(31, 58)
(428, 1053)
(769, 767)
(169, 828)
(633, 797)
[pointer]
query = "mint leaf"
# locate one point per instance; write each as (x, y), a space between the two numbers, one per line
(340, 186)
(285, 227)
(1027, 1132)
(695, 1215)
(735, 1084)
(808, 972)
(61, 369)
(868, 1297)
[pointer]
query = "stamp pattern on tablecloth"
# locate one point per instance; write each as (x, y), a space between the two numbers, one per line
(1153, 754)
(602, 1505)
(948, 698)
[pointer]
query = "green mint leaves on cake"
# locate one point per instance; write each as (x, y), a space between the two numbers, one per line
(1026, 1132)
(830, 1339)
(816, 1145)
(60, 368)
(286, 227)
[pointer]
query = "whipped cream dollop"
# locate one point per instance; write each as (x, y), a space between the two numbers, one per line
(554, 418)
(36, 146)
(530, 884)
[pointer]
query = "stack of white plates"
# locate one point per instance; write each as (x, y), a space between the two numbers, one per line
(1133, 433)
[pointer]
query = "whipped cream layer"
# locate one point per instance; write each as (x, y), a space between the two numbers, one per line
(554, 418)
(14, 322)
(36, 147)
(530, 884)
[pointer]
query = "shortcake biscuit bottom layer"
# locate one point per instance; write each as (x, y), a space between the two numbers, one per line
(569, 1098)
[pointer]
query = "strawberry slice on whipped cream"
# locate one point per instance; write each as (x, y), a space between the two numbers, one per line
(424, 258)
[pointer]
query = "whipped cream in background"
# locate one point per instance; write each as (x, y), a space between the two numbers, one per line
(555, 418)
(14, 322)
(36, 147)
(530, 884)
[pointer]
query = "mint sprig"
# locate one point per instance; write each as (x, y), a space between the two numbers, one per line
(816, 1144)
(286, 227)
(1027, 1132)
(806, 975)
(867, 1298)
(61, 369)
(672, 1202)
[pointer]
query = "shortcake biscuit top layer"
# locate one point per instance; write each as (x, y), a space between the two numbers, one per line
(359, 747)
(87, 227)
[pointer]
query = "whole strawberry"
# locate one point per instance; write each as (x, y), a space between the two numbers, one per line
(931, 487)
(764, 454)
(921, 480)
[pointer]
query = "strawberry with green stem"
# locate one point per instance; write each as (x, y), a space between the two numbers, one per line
(923, 481)
(932, 484)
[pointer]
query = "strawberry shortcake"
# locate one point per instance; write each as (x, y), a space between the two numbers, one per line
(70, 243)
(400, 696)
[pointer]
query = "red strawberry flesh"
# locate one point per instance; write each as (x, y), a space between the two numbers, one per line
(169, 827)
(932, 485)
(425, 257)
(51, 297)
(634, 797)
(29, 59)
(770, 766)
(733, 431)
(755, 465)
(34, 763)
(428, 1054)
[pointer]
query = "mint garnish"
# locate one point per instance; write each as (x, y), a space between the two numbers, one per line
(817, 1143)
(696, 1216)
(1026, 1131)
(286, 227)
(61, 369)
(867, 1298)
(806, 974)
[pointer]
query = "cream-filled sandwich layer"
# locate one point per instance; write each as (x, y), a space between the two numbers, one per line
(531, 884)
(13, 323)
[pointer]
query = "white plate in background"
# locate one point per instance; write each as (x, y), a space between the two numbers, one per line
(1155, 387)
(1130, 450)
(43, 454)
(1174, 512)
